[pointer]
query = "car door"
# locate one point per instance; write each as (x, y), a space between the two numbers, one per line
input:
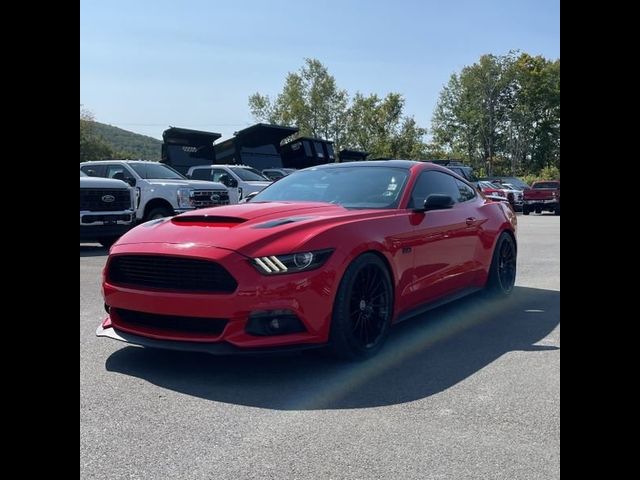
(445, 242)
(223, 176)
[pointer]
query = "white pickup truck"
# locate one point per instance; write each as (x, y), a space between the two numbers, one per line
(241, 180)
(106, 209)
(160, 190)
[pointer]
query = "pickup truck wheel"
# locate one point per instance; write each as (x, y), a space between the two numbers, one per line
(159, 212)
(106, 242)
(525, 210)
(557, 211)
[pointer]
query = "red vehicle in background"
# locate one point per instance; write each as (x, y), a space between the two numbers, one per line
(543, 196)
(491, 189)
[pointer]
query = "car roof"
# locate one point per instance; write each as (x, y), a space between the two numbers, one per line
(375, 163)
(123, 161)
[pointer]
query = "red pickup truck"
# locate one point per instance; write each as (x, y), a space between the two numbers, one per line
(542, 196)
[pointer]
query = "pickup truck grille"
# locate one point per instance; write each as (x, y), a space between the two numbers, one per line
(210, 198)
(104, 200)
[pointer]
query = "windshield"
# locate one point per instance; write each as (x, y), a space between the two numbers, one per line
(248, 174)
(541, 185)
(351, 187)
(156, 171)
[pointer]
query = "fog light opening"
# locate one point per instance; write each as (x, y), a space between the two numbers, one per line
(274, 322)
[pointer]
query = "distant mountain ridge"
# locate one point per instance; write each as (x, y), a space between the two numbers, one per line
(130, 143)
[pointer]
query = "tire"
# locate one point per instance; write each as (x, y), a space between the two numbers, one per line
(362, 310)
(525, 210)
(106, 242)
(502, 273)
(158, 212)
(538, 212)
(557, 210)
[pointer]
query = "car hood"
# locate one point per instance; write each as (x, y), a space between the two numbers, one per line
(201, 184)
(99, 182)
(279, 227)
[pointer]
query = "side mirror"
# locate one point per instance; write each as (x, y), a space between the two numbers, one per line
(436, 201)
(131, 181)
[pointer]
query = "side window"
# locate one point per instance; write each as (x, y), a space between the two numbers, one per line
(431, 182)
(307, 148)
(201, 174)
(118, 172)
(319, 150)
(93, 170)
(466, 192)
(218, 173)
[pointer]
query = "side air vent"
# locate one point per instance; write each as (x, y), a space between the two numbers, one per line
(281, 221)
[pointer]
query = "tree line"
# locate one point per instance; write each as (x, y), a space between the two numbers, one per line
(501, 115)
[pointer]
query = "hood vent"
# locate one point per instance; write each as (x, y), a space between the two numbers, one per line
(208, 219)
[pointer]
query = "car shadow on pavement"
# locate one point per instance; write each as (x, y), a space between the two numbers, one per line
(93, 251)
(422, 356)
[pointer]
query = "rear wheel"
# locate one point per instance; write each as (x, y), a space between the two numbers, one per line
(525, 210)
(362, 310)
(557, 210)
(502, 274)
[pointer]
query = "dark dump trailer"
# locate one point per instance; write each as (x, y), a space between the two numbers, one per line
(304, 152)
(257, 146)
(183, 148)
(260, 146)
(347, 155)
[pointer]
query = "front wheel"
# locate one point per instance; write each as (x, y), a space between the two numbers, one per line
(502, 273)
(525, 210)
(158, 212)
(106, 242)
(362, 309)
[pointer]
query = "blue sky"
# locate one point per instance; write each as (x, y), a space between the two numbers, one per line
(145, 65)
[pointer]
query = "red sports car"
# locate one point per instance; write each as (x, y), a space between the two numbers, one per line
(328, 256)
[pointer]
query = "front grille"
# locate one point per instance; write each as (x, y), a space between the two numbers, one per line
(170, 273)
(202, 198)
(108, 217)
(93, 200)
(210, 326)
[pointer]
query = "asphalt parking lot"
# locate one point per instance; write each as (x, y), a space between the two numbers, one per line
(471, 390)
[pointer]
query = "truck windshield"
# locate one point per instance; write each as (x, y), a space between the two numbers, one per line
(542, 185)
(248, 174)
(156, 171)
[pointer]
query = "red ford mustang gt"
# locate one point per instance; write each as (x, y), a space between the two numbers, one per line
(328, 256)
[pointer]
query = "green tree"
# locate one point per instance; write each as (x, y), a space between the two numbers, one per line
(312, 101)
(91, 147)
(378, 126)
(502, 113)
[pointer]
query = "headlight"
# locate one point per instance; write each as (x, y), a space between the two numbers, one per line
(292, 262)
(184, 197)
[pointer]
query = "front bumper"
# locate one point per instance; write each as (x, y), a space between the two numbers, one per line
(218, 348)
(542, 204)
(96, 225)
(308, 295)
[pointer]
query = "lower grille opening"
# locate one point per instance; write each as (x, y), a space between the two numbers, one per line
(175, 323)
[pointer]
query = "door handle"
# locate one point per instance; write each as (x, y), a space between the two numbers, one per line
(470, 220)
